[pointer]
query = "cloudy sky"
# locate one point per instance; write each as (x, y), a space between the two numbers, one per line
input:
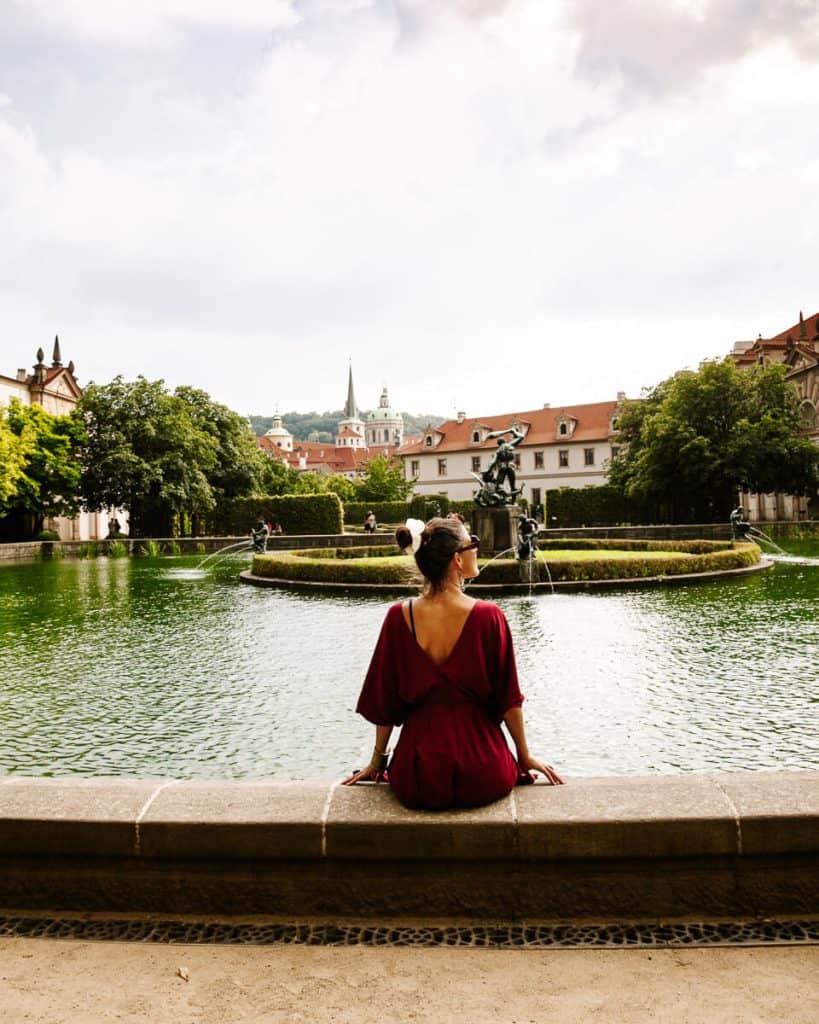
(486, 204)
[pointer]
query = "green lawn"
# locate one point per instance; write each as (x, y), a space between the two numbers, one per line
(607, 554)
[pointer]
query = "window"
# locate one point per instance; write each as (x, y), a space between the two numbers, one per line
(441, 467)
(538, 460)
(428, 440)
(615, 450)
(563, 458)
(588, 456)
(615, 423)
(535, 496)
(476, 463)
(563, 429)
(517, 460)
(415, 467)
(476, 437)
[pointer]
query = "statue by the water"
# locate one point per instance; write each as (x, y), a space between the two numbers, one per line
(258, 538)
(740, 527)
(527, 537)
(501, 470)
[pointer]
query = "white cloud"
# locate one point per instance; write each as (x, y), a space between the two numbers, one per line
(433, 189)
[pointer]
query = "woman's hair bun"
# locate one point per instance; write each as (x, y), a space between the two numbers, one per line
(403, 537)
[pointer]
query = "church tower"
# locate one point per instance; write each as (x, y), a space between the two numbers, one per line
(384, 424)
(351, 427)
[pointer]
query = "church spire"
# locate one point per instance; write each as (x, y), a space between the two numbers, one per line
(350, 407)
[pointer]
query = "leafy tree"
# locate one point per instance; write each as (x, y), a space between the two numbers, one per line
(698, 437)
(47, 481)
(147, 453)
(239, 462)
(14, 450)
(383, 480)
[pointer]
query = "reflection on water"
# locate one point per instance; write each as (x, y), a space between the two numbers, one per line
(151, 667)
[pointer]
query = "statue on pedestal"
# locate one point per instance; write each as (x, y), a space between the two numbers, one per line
(501, 469)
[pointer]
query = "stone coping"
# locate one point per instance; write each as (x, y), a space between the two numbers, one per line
(744, 815)
(248, 576)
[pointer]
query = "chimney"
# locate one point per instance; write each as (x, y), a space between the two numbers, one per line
(21, 376)
(461, 417)
(547, 405)
(621, 396)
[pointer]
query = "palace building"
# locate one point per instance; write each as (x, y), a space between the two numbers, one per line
(56, 389)
(797, 348)
(565, 446)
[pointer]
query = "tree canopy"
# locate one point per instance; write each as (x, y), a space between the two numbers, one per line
(700, 436)
(161, 455)
(39, 461)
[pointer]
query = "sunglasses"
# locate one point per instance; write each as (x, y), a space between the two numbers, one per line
(473, 545)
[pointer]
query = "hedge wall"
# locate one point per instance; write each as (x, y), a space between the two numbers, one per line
(595, 506)
(291, 566)
(508, 571)
(297, 513)
(691, 547)
(355, 512)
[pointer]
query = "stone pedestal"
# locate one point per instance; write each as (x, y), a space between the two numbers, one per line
(497, 528)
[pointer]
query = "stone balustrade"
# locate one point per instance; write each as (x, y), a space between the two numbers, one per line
(696, 846)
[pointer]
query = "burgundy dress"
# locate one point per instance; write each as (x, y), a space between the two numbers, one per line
(451, 752)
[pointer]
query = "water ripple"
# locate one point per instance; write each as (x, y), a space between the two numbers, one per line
(147, 667)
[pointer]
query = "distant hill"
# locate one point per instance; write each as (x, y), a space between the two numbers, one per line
(314, 426)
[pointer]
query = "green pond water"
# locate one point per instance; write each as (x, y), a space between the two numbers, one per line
(149, 667)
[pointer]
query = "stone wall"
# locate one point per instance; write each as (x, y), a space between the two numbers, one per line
(686, 846)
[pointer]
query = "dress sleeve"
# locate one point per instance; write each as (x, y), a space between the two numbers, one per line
(507, 690)
(379, 701)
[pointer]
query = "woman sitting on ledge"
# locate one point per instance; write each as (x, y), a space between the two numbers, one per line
(444, 669)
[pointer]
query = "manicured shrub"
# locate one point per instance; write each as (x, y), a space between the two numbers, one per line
(603, 505)
(297, 513)
(291, 566)
(47, 535)
(691, 547)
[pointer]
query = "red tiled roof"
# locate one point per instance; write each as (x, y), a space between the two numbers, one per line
(778, 345)
(592, 424)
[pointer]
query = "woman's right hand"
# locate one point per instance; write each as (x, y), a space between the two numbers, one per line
(367, 774)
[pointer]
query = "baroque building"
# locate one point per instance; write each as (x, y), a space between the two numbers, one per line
(797, 348)
(567, 446)
(57, 390)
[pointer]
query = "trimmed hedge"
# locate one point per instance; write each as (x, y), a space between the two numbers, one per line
(297, 513)
(690, 547)
(355, 512)
(602, 505)
(377, 565)
(293, 567)
(739, 557)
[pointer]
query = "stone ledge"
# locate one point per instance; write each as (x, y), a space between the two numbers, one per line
(602, 849)
(753, 813)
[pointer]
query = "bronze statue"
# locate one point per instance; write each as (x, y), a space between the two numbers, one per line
(259, 538)
(500, 470)
(527, 537)
(740, 527)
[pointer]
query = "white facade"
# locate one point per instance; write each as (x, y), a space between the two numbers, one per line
(55, 388)
(567, 447)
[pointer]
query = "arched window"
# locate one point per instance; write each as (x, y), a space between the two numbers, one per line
(807, 415)
(476, 437)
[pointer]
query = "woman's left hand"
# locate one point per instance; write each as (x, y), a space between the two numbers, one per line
(367, 774)
(532, 764)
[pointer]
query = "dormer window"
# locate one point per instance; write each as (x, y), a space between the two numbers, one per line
(565, 426)
(476, 437)
(428, 441)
